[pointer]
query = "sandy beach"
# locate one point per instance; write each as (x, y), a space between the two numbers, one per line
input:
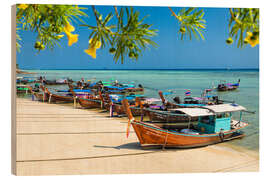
(57, 139)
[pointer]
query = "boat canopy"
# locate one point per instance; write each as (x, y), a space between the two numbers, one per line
(151, 100)
(211, 110)
(221, 108)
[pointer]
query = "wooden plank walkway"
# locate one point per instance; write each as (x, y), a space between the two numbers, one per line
(55, 139)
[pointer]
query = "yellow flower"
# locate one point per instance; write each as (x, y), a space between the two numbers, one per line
(60, 36)
(91, 51)
(72, 38)
(252, 39)
(69, 28)
(23, 6)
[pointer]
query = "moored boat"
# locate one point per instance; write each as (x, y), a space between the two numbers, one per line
(56, 98)
(137, 105)
(22, 89)
(92, 101)
(55, 82)
(40, 96)
(228, 86)
(215, 125)
(26, 80)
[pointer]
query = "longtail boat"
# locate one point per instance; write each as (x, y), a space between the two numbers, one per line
(56, 82)
(137, 106)
(166, 117)
(26, 80)
(205, 99)
(110, 87)
(22, 89)
(91, 102)
(228, 86)
(40, 96)
(126, 90)
(169, 119)
(215, 125)
(59, 98)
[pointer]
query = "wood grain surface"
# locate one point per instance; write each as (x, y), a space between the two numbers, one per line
(55, 139)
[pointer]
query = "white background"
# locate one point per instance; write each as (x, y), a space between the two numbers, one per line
(5, 80)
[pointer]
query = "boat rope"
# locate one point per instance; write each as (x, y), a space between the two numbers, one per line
(33, 96)
(43, 96)
(111, 109)
(50, 98)
(166, 137)
(75, 102)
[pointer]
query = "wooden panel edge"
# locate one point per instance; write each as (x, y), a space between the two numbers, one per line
(13, 91)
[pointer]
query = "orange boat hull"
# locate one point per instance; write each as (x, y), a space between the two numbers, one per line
(150, 135)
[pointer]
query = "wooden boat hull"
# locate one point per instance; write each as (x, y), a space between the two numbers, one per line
(150, 135)
(228, 86)
(170, 121)
(227, 89)
(58, 98)
(135, 90)
(42, 96)
(127, 93)
(51, 83)
(23, 91)
(89, 103)
(48, 82)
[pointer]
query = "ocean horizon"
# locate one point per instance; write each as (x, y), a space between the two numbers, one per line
(178, 69)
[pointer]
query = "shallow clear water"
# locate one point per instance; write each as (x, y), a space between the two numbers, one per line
(179, 80)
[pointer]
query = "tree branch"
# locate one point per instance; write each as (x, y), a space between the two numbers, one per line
(234, 18)
(173, 13)
(95, 13)
(116, 12)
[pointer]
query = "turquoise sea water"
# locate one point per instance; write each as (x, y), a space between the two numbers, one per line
(179, 80)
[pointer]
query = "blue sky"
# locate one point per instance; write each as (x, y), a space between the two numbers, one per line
(171, 53)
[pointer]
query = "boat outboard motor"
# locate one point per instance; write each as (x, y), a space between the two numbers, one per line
(177, 99)
(140, 86)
